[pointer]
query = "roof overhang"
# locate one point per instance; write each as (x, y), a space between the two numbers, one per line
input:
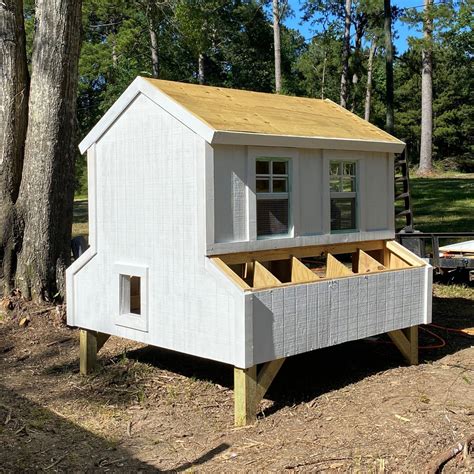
(292, 141)
(218, 137)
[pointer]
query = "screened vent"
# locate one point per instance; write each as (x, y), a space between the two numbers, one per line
(272, 216)
(343, 213)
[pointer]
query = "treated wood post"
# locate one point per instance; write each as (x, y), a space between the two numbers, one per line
(406, 341)
(245, 396)
(90, 342)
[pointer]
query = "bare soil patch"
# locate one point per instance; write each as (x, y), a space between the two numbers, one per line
(351, 407)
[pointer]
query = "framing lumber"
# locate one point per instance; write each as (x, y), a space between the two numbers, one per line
(230, 273)
(250, 388)
(300, 273)
(300, 252)
(406, 341)
(396, 262)
(263, 278)
(335, 269)
(245, 400)
(90, 343)
(367, 264)
(403, 253)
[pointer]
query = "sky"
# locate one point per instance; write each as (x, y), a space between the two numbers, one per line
(402, 30)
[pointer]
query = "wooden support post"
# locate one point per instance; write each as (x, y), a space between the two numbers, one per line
(90, 343)
(245, 402)
(406, 341)
(250, 388)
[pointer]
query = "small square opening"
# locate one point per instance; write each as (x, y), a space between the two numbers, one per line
(130, 297)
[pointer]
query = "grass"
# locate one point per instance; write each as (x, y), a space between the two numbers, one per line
(444, 203)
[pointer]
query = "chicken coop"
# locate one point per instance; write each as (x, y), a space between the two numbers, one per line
(241, 227)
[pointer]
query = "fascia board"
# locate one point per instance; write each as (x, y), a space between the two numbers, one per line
(292, 141)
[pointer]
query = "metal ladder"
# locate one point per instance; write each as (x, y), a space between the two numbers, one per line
(402, 202)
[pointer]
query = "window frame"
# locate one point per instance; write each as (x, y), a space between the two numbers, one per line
(345, 194)
(270, 195)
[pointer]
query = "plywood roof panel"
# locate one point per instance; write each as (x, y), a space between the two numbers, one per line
(235, 110)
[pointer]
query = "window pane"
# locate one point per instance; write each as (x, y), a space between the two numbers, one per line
(334, 184)
(279, 186)
(348, 185)
(272, 216)
(263, 167)
(349, 169)
(343, 214)
(334, 168)
(279, 167)
(263, 185)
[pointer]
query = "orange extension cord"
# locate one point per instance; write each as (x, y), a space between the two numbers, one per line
(469, 332)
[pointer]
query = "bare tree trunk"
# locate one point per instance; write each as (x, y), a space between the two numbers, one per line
(359, 33)
(13, 123)
(155, 62)
(323, 78)
(389, 124)
(345, 54)
(201, 72)
(276, 45)
(426, 165)
(47, 186)
(368, 92)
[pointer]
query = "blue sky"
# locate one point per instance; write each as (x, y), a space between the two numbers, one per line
(402, 30)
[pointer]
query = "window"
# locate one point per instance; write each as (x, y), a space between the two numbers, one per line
(343, 188)
(272, 187)
(132, 297)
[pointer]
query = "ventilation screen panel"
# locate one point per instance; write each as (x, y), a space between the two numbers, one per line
(272, 216)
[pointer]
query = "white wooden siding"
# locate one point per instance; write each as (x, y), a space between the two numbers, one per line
(150, 212)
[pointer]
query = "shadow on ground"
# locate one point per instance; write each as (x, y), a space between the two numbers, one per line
(33, 439)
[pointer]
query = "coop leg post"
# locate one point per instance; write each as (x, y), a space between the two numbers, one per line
(90, 343)
(250, 388)
(406, 341)
(245, 395)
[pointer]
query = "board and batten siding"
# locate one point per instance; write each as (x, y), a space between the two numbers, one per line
(234, 198)
(291, 320)
(150, 214)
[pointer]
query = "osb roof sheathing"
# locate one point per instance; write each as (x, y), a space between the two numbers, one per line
(233, 110)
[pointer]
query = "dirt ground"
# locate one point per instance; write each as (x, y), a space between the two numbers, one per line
(355, 407)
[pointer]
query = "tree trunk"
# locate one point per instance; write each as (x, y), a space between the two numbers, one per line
(276, 45)
(389, 123)
(368, 92)
(47, 187)
(13, 123)
(201, 72)
(155, 62)
(323, 78)
(345, 54)
(359, 33)
(426, 165)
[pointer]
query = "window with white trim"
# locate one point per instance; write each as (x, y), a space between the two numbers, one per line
(343, 189)
(272, 189)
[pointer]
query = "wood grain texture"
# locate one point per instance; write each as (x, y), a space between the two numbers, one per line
(263, 278)
(335, 269)
(245, 396)
(300, 273)
(256, 112)
(367, 264)
(87, 351)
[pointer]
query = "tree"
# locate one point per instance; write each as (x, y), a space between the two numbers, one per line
(426, 165)
(13, 123)
(36, 251)
(389, 124)
(368, 91)
(346, 50)
(276, 44)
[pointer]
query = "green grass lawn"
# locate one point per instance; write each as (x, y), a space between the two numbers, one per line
(444, 203)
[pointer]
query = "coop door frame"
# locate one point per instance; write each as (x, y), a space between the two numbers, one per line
(122, 313)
